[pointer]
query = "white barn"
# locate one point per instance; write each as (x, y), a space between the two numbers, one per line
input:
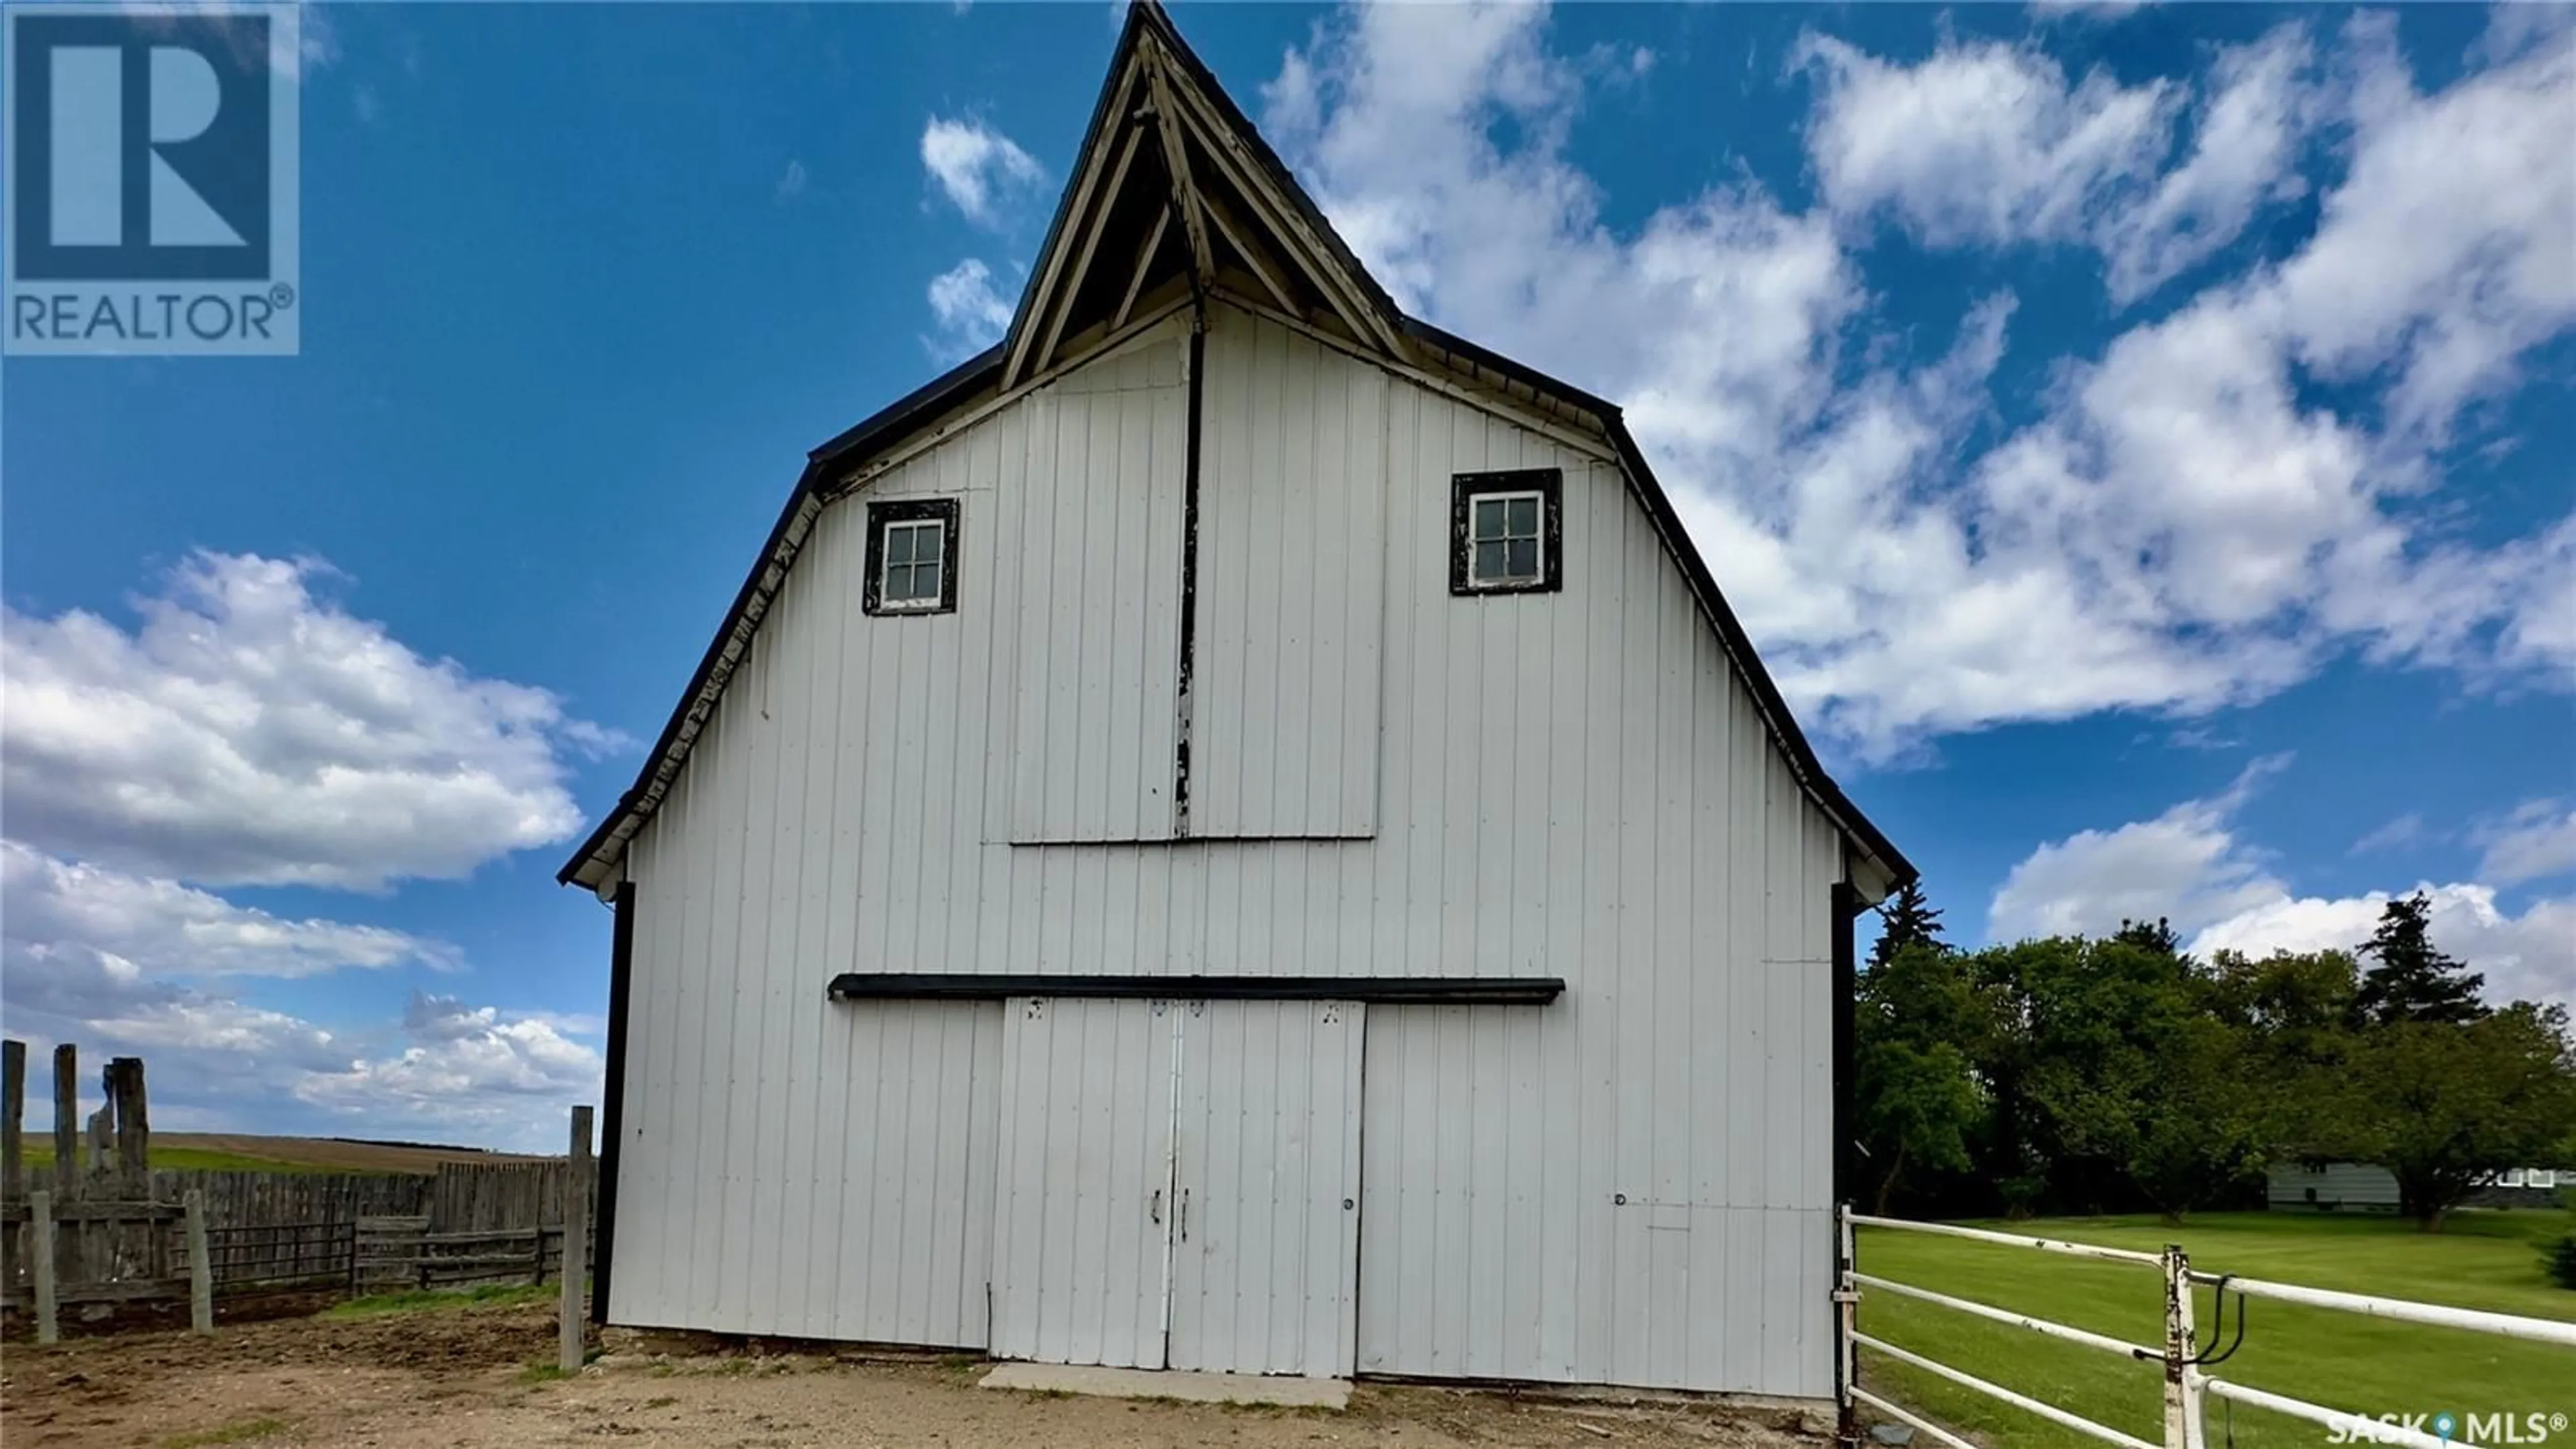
(1233, 831)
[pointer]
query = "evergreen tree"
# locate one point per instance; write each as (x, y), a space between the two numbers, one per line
(2157, 936)
(1910, 921)
(2411, 979)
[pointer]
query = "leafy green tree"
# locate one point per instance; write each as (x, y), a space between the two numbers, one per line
(2293, 1015)
(2410, 978)
(1914, 1016)
(2136, 1082)
(1909, 920)
(2441, 1104)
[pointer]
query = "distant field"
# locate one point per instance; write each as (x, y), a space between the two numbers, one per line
(2485, 1260)
(238, 1152)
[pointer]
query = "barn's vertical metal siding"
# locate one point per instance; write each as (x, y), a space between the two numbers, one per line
(1292, 533)
(1097, 597)
(1569, 784)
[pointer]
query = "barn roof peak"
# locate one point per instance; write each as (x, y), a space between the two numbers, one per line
(1174, 184)
(1173, 181)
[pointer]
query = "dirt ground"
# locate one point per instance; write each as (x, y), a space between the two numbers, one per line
(443, 1377)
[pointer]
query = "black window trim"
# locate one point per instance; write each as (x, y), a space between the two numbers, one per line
(1466, 488)
(910, 510)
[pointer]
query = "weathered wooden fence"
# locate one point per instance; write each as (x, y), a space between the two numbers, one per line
(263, 1199)
(116, 1231)
(89, 1233)
(406, 1253)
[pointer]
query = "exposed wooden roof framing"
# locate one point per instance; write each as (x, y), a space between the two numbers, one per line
(1166, 145)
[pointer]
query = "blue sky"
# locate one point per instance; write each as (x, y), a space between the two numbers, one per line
(2138, 438)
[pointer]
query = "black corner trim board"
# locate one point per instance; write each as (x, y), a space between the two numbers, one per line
(1392, 990)
(1846, 908)
(1466, 488)
(910, 510)
(612, 1117)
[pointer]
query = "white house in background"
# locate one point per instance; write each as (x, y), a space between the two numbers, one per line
(2365, 1188)
(2351, 1187)
(1233, 831)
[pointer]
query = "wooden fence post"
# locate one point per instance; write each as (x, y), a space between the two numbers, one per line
(576, 1238)
(66, 1122)
(13, 1114)
(40, 1254)
(13, 1111)
(201, 1274)
(133, 1121)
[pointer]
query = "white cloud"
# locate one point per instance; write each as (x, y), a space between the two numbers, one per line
(972, 312)
(447, 1072)
(2530, 957)
(2184, 866)
(1985, 143)
(2450, 249)
(2536, 841)
(2244, 157)
(1981, 142)
(2183, 526)
(123, 964)
(57, 909)
(976, 167)
(791, 182)
(251, 732)
(471, 1069)
(2191, 866)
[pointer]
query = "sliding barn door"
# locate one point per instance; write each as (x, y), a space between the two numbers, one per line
(1081, 1230)
(1179, 1185)
(1265, 1275)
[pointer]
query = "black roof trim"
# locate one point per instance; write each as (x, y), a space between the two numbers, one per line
(924, 404)
(934, 399)
(1392, 990)
(1668, 521)
(916, 409)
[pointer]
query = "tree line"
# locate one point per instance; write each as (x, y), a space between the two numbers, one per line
(2123, 1074)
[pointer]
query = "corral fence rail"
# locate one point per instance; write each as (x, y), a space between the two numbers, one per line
(2181, 1358)
(392, 1254)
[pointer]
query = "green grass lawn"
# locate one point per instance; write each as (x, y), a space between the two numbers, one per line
(39, 1158)
(2341, 1360)
(487, 1295)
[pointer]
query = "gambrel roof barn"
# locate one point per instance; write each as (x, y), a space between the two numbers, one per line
(1233, 830)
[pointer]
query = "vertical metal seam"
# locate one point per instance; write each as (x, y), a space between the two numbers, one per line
(1182, 702)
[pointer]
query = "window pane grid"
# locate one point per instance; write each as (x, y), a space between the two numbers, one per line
(913, 563)
(1503, 536)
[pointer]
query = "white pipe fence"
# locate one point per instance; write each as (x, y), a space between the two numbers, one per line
(2180, 1358)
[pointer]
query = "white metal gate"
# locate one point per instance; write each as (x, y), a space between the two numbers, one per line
(1179, 1184)
(2181, 1358)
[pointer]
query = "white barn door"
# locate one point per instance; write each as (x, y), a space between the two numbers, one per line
(1265, 1276)
(1081, 1227)
(1179, 1185)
